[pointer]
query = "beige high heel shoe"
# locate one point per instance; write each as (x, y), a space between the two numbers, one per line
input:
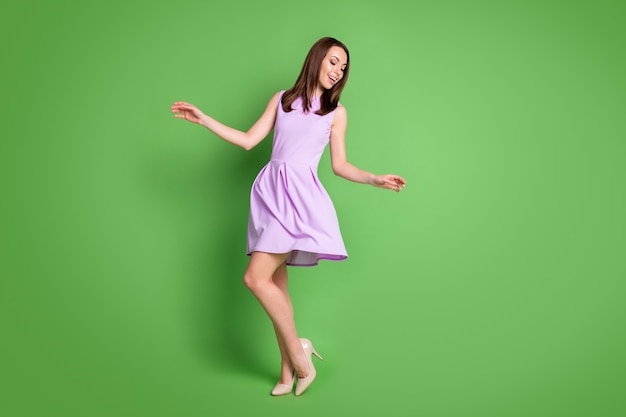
(284, 389)
(309, 350)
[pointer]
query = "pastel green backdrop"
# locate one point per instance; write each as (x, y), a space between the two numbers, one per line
(493, 285)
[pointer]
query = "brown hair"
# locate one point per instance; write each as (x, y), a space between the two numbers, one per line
(309, 78)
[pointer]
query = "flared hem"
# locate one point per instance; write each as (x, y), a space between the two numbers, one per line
(304, 258)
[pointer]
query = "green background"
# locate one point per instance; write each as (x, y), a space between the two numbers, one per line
(493, 285)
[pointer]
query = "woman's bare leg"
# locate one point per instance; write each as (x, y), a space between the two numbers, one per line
(259, 279)
(286, 370)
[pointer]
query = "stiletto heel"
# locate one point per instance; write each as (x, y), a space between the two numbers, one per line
(284, 389)
(309, 350)
(315, 352)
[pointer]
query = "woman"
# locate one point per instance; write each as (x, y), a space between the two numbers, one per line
(292, 219)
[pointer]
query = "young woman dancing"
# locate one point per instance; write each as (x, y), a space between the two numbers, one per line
(292, 219)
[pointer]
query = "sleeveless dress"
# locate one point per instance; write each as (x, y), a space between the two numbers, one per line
(290, 211)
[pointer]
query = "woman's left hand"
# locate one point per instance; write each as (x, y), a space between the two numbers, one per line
(389, 181)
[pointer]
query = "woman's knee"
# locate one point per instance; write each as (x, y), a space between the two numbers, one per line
(250, 280)
(262, 268)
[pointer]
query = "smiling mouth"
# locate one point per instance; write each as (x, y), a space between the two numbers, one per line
(333, 79)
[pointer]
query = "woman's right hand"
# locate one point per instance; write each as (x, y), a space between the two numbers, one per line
(187, 111)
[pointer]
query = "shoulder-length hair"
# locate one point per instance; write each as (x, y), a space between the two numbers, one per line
(309, 78)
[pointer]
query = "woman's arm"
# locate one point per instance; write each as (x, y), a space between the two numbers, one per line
(345, 169)
(246, 140)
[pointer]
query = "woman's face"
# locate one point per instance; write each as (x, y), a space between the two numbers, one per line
(332, 68)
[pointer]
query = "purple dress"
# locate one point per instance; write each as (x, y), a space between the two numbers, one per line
(290, 211)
